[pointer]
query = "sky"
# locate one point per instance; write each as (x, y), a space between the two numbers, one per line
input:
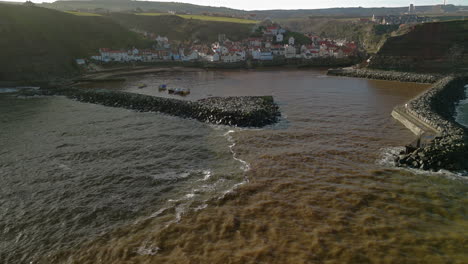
(306, 4)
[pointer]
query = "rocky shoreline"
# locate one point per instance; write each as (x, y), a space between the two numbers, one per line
(436, 107)
(385, 75)
(248, 111)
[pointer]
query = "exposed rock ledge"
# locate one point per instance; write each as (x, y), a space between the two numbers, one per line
(248, 111)
(385, 75)
(436, 108)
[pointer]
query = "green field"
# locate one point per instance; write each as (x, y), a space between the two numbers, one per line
(82, 13)
(205, 18)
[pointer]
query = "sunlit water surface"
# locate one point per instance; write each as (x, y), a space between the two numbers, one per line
(83, 183)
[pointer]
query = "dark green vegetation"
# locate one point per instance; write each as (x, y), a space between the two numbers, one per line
(180, 29)
(37, 43)
(430, 47)
(299, 38)
(369, 36)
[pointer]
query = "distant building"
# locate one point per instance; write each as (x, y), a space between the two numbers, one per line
(266, 56)
(412, 9)
(291, 41)
(273, 30)
(279, 37)
(289, 52)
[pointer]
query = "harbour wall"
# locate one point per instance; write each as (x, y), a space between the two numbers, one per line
(247, 111)
(385, 75)
(443, 143)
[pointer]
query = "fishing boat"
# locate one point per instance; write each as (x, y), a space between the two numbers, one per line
(141, 85)
(162, 87)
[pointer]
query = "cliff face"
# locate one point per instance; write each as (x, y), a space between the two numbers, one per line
(430, 47)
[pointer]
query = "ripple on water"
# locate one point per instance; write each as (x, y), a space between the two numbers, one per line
(72, 172)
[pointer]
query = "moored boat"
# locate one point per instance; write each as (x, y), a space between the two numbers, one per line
(162, 87)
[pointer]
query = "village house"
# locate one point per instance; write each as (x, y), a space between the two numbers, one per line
(255, 42)
(192, 56)
(310, 52)
(266, 56)
(290, 52)
(273, 30)
(108, 55)
(212, 57)
(232, 57)
(278, 50)
(262, 55)
(263, 49)
(148, 55)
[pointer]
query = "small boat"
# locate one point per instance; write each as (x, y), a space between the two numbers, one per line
(171, 90)
(141, 85)
(182, 91)
(162, 87)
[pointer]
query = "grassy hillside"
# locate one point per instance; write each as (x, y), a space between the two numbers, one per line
(206, 18)
(127, 5)
(37, 43)
(177, 28)
(164, 7)
(430, 47)
(351, 11)
(82, 13)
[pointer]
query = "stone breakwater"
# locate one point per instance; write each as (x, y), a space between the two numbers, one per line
(248, 111)
(385, 75)
(436, 108)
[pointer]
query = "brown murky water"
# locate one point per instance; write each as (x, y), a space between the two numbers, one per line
(319, 185)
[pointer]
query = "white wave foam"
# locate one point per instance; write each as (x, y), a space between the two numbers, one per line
(8, 90)
(201, 207)
(160, 211)
(207, 174)
(387, 156)
(148, 250)
(196, 194)
(232, 189)
(387, 159)
(245, 166)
